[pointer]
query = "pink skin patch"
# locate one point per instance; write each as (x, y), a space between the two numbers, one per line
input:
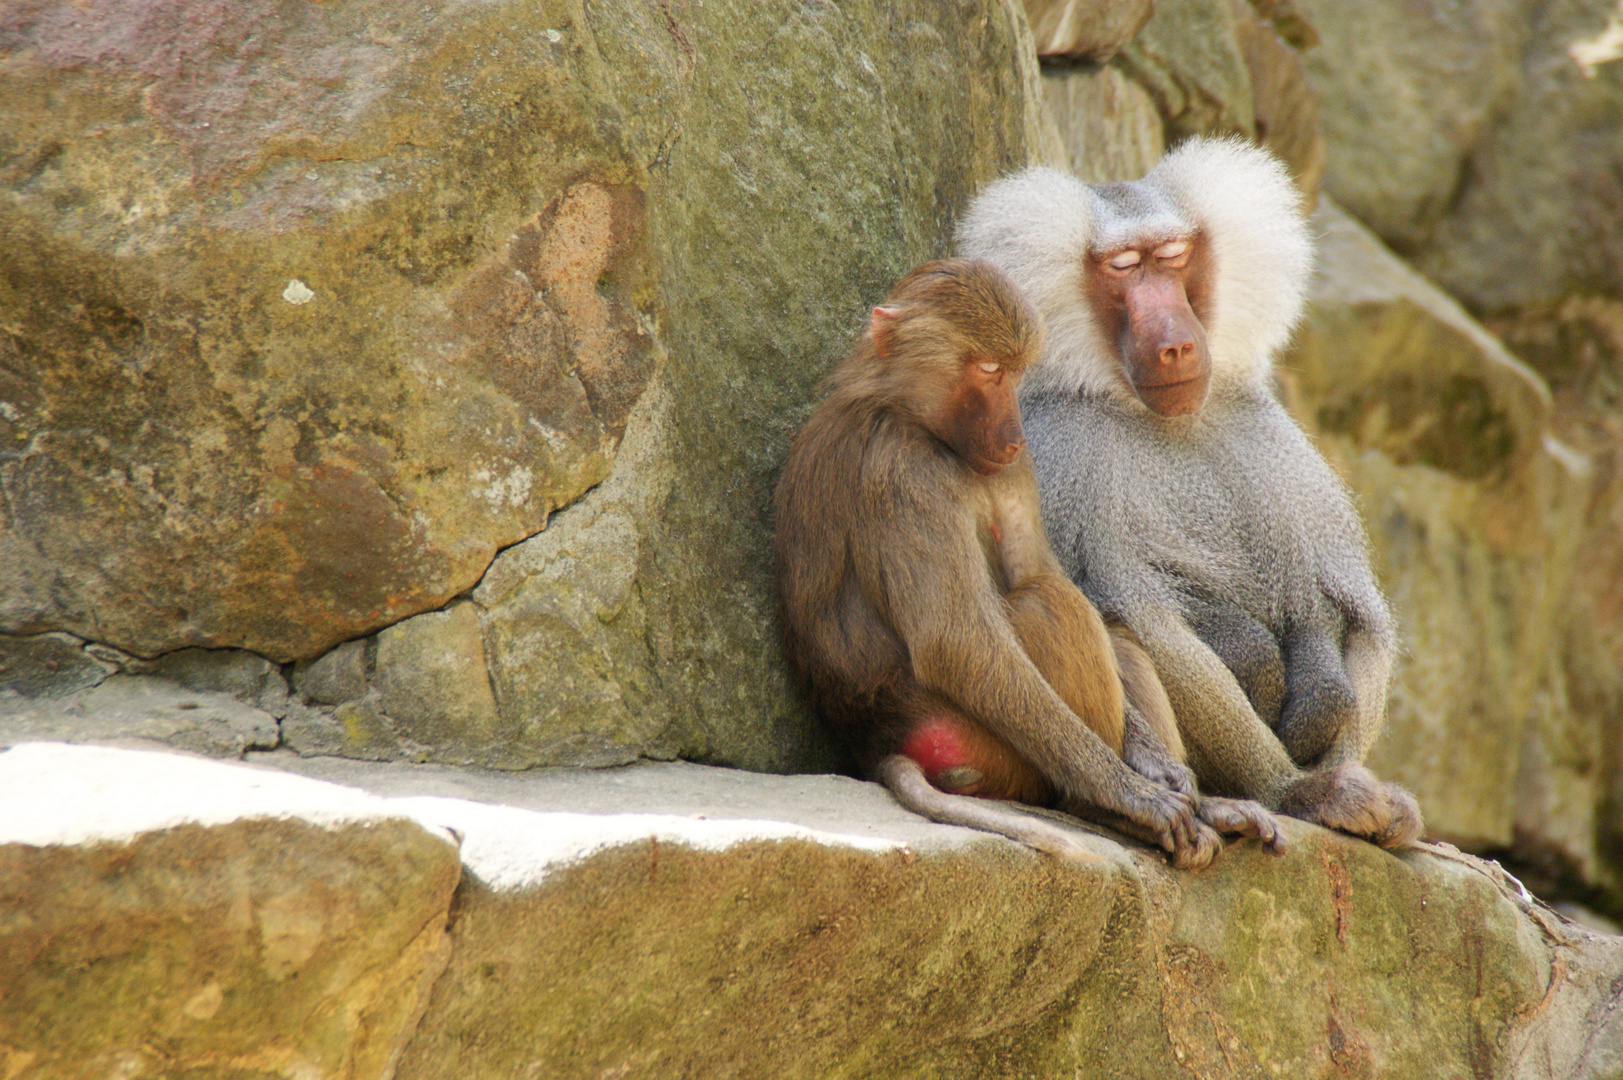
(937, 745)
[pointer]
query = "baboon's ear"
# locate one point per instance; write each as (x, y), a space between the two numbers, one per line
(882, 325)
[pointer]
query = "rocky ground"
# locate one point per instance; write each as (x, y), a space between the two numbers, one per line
(167, 914)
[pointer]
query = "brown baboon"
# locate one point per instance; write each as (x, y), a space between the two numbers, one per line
(1179, 494)
(926, 615)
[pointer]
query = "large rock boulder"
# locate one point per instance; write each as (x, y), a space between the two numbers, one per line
(1085, 29)
(1569, 827)
(675, 919)
(1476, 516)
(1484, 140)
(164, 915)
(818, 153)
(681, 920)
(1407, 91)
(1470, 137)
(312, 312)
(309, 312)
(1110, 125)
(1195, 67)
(1189, 57)
(1539, 214)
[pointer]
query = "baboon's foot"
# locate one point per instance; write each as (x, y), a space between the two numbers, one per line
(1350, 799)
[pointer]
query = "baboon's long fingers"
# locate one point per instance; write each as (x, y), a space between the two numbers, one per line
(1242, 817)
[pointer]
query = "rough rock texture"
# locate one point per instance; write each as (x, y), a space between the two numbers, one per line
(309, 311)
(165, 916)
(49, 665)
(222, 702)
(1569, 824)
(1110, 125)
(1539, 215)
(1197, 67)
(1284, 105)
(1188, 57)
(281, 374)
(138, 707)
(822, 152)
(170, 915)
(1407, 91)
(671, 920)
(1442, 435)
(1468, 136)
(1085, 29)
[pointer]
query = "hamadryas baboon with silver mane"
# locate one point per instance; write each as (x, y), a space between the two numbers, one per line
(1177, 491)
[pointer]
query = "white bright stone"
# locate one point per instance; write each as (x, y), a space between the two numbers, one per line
(52, 793)
(510, 848)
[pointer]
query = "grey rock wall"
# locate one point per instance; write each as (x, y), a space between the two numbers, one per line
(301, 335)
(1470, 138)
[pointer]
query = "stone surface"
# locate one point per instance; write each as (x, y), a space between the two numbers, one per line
(824, 150)
(164, 916)
(1209, 67)
(1085, 29)
(335, 677)
(48, 665)
(1419, 379)
(1569, 816)
(433, 682)
(310, 311)
(1441, 433)
(145, 708)
(1407, 91)
(236, 672)
(1109, 123)
(1538, 215)
(1284, 105)
(1469, 137)
(677, 920)
(641, 622)
(533, 228)
(1190, 58)
(566, 626)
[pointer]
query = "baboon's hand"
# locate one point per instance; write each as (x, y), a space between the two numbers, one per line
(1155, 815)
(1162, 768)
(1168, 818)
(1242, 817)
(1199, 855)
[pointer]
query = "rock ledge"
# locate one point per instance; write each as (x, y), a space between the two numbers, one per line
(163, 914)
